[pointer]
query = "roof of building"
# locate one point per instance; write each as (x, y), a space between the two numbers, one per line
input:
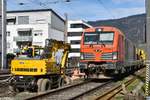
(36, 10)
(79, 21)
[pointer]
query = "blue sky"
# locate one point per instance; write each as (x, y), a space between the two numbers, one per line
(89, 10)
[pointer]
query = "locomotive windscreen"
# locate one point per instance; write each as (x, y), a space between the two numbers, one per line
(98, 37)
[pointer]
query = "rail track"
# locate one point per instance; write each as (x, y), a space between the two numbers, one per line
(111, 93)
(5, 71)
(4, 74)
(83, 89)
(70, 92)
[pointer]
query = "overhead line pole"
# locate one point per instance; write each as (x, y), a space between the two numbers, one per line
(147, 6)
(3, 34)
(66, 27)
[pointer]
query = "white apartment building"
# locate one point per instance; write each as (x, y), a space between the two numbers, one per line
(75, 30)
(33, 27)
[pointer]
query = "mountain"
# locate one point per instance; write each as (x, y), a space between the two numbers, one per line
(132, 26)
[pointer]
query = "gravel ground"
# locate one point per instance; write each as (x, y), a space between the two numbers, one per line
(70, 92)
(5, 94)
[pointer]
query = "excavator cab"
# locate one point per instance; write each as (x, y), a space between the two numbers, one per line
(30, 52)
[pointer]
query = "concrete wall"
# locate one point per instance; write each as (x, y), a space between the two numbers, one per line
(57, 23)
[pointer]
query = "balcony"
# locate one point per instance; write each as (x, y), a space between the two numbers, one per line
(23, 38)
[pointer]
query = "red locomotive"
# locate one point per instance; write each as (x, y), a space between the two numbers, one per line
(105, 50)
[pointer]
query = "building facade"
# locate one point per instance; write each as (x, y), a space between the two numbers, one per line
(33, 27)
(75, 30)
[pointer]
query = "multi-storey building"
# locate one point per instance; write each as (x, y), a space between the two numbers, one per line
(75, 29)
(33, 27)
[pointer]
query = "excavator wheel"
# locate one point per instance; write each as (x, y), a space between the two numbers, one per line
(45, 85)
(39, 82)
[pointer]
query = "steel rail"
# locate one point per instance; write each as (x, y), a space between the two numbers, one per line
(2, 72)
(50, 92)
(4, 76)
(108, 95)
(93, 89)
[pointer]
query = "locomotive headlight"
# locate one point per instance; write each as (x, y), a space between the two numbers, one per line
(115, 56)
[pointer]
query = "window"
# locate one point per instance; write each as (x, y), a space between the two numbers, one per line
(84, 26)
(75, 42)
(106, 37)
(11, 20)
(40, 21)
(8, 33)
(8, 45)
(90, 38)
(74, 33)
(78, 26)
(74, 50)
(25, 33)
(38, 32)
(35, 34)
(99, 38)
(23, 19)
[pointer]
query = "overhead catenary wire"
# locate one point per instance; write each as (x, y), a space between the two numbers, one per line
(114, 17)
(45, 4)
(106, 8)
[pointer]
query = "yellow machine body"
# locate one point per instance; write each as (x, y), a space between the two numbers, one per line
(33, 67)
(41, 66)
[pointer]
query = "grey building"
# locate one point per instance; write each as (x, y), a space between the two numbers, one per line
(33, 27)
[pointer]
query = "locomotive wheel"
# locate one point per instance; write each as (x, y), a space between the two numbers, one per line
(39, 82)
(45, 85)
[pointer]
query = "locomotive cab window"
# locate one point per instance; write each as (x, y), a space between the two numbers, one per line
(106, 38)
(91, 38)
(98, 38)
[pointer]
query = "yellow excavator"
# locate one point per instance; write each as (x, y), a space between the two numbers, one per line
(39, 69)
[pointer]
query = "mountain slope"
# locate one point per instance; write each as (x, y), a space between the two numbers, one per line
(132, 26)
